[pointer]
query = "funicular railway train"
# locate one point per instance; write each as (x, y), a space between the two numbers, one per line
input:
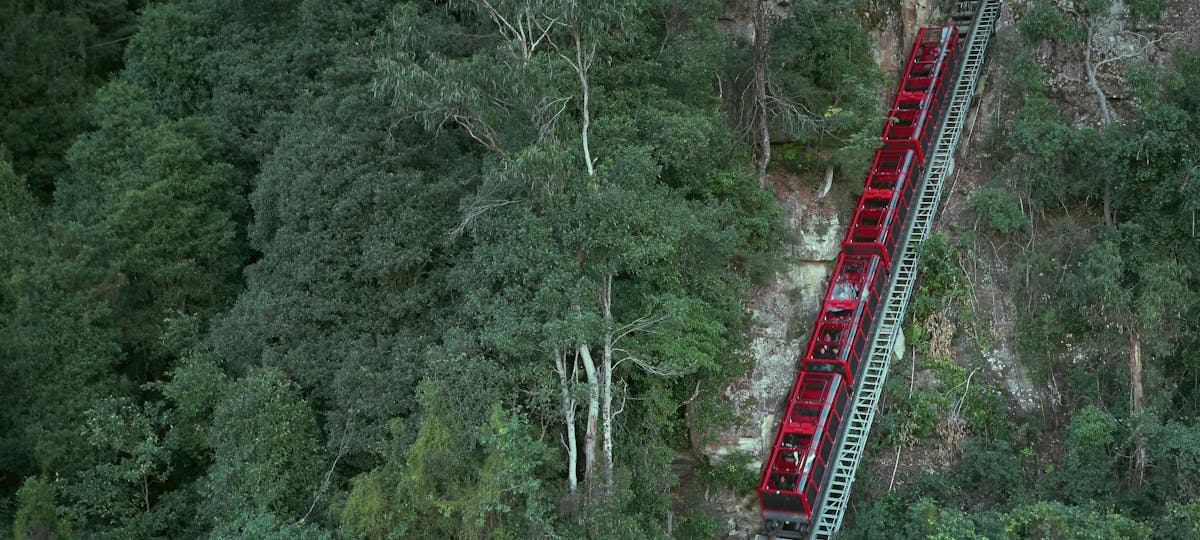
(795, 475)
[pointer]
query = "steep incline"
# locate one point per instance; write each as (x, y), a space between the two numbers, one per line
(862, 413)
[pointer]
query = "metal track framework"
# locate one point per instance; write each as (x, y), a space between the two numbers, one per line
(862, 413)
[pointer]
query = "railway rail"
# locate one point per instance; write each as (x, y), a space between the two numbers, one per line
(822, 434)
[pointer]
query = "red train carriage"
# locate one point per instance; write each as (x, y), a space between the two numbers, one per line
(794, 478)
(878, 223)
(914, 115)
(792, 487)
(843, 325)
(931, 63)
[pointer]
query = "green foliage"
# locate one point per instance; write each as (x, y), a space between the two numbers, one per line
(1039, 336)
(1143, 78)
(38, 514)
(917, 417)
(55, 56)
(456, 479)
(942, 282)
(1146, 10)
(267, 526)
(897, 516)
(1147, 301)
(1057, 520)
(60, 348)
(15, 200)
(824, 83)
(998, 209)
(1179, 521)
(157, 201)
(1043, 21)
(1177, 477)
(733, 473)
(368, 512)
(265, 450)
(989, 469)
(172, 390)
(193, 389)
(1024, 80)
(1089, 470)
(123, 490)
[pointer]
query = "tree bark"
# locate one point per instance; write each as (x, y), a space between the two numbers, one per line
(1136, 406)
(828, 183)
(593, 412)
(1091, 75)
(582, 64)
(568, 411)
(1110, 218)
(761, 41)
(606, 368)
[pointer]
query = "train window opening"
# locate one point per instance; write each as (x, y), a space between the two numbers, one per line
(788, 462)
(827, 352)
(813, 389)
(839, 313)
(866, 235)
(918, 84)
(883, 180)
(844, 290)
(783, 482)
(870, 216)
(822, 367)
(800, 411)
(867, 221)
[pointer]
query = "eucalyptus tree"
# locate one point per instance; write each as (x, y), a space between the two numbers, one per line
(610, 204)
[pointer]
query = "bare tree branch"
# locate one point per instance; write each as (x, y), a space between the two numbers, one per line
(472, 213)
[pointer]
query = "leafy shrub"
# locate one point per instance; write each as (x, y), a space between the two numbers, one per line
(999, 210)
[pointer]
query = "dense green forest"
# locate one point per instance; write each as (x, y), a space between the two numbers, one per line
(372, 269)
(479, 269)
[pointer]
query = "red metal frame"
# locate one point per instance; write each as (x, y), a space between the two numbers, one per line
(791, 487)
(844, 322)
(918, 104)
(878, 221)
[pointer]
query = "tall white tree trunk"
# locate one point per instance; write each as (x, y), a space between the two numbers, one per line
(568, 411)
(583, 62)
(1137, 404)
(1091, 75)
(606, 393)
(593, 412)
